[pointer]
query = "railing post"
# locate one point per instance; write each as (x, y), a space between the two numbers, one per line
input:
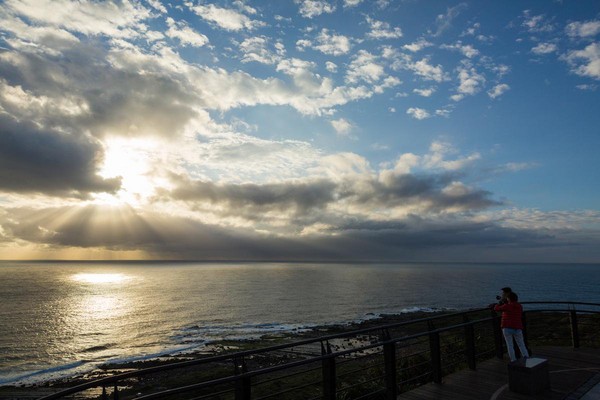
(243, 386)
(329, 374)
(525, 333)
(497, 335)
(436, 356)
(470, 350)
(116, 392)
(574, 329)
(104, 395)
(389, 359)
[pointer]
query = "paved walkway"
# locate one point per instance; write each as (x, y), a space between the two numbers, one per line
(574, 375)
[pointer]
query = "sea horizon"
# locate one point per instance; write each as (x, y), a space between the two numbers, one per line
(287, 261)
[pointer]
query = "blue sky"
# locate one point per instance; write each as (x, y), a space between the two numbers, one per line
(300, 129)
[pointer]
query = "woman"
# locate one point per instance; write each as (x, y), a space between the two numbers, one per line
(512, 325)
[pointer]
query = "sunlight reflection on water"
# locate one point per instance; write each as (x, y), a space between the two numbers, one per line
(100, 278)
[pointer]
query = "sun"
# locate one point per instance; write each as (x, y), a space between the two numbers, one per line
(130, 159)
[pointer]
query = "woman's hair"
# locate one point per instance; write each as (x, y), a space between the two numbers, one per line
(512, 296)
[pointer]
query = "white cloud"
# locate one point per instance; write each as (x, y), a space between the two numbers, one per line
(513, 167)
(240, 4)
(382, 30)
(314, 8)
(425, 92)
(352, 3)
(405, 164)
(86, 17)
(498, 90)
(382, 4)
(428, 71)
(544, 48)
(437, 157)
(295, 66)
(472, 30)
(364, 68)
(536, 23)
(467, 50)
(444, 21)
(158, 6)
(255, 49)
(225, 18)
(418, 45)
(49, 38)
(501, 70)
(583, 29)
(418, 113)
(332, 44)
(303, 44)
(388, 82)
(587, 87)
(443, 112)
(186, 35)
(380, 146)
(342, 126)
(585, 62)
(421, 68)
(470, 82)
(331, 67)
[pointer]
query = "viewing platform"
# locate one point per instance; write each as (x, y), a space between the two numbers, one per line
(453, 355)
(574, 375)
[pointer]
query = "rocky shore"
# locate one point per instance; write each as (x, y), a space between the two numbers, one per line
(22, 392)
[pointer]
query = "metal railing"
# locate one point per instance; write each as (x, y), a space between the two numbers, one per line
(369, 363)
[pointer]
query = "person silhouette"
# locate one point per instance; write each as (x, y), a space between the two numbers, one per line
(512, 325)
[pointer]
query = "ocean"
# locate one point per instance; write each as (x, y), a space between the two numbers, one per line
(58, 319)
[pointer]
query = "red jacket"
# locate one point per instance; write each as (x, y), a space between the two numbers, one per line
(512, 315)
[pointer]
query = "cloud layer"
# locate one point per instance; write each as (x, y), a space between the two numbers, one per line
(231, 131)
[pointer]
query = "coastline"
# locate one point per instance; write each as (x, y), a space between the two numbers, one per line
(18, 391)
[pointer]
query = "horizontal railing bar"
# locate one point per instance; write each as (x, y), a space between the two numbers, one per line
(277, 378)
(360, 369)
(414, 366)
(559, 310)
(417, 342)
(415, 378)
(204, 396)
(418, 353)
(576, 303)
(228, 379)
(377, 378)
(288, 390)
(460, 351)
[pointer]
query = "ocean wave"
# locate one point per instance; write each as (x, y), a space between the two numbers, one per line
(46, 374)
(84, 366)
(97, 348)
(213, 332)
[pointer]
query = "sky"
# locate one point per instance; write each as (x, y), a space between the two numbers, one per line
(300, 130)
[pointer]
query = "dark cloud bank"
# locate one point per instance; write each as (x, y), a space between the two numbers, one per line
(412, 239)
(50, 162)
